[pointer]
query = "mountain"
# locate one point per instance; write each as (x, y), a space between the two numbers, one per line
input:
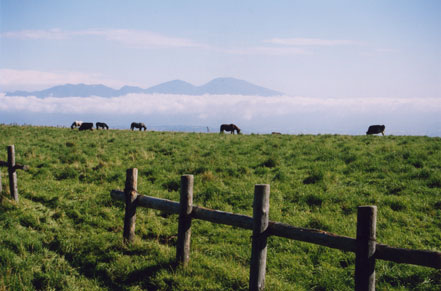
(70, 90)
(128, 90)
(173, 87)
(79, 90)
(219, 86)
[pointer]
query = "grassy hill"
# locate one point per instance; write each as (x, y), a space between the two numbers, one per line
(66, 232)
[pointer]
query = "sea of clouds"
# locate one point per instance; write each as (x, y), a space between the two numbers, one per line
(290, 114)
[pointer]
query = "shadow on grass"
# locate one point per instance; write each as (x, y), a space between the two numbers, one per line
(6, 202)
(141, 276)
(90, 264)
(52, 203)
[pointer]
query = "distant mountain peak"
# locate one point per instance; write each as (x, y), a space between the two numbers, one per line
(225, 79)
(177, 81)
(218, 86)
(173, 87)
(226, 85)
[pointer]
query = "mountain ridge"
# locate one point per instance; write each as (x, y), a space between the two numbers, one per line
(218, 86)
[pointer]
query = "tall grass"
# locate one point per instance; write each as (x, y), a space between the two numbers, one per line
(66, 232)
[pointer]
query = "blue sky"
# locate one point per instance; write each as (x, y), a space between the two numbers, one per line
(322, 49)
(307, 48)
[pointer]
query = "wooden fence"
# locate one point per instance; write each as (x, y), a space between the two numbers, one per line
(12, 168)
(365, 247)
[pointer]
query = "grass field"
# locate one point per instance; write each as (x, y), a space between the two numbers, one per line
(66, 231)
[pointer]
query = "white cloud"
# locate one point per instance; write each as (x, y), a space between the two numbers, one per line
(272, 51)
(209, 106)
(37, 34)
(131, 38)
(141, 38)
(288, 46)
(145, 39)
(311, 42)
(252, 113)
(384, 50)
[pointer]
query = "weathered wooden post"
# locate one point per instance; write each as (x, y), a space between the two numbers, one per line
(12, 173)
(131, 194)
(366, 244)
(260, 225)
(184, 226)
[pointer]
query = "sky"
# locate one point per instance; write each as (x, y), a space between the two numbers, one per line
(353, 58)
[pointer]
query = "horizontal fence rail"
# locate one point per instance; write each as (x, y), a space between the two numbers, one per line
(365, 247)
(383, 252)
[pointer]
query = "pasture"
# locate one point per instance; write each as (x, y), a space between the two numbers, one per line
(66, 231)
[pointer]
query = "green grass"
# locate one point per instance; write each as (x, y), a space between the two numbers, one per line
(66, 231)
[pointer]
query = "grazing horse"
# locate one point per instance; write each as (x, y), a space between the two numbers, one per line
(229, 127)
(76, 123)
(139, 125)
(101, 125)
(374, 129)
(86, 126)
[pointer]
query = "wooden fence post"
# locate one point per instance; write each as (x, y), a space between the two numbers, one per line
(12, 173)
(260, 225)
(184, 226)
(1, 189)
(131, 194)
(366, 244)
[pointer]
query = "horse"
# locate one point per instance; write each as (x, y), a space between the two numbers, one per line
(139, 125)
(86, 126)
(374, 129)
(76, 123)
(229, 127)
(101, 125)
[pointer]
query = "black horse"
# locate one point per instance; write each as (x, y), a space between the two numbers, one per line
(139, 125)
(101, 125)
(374, 129)
(86, 126)
(229, 127)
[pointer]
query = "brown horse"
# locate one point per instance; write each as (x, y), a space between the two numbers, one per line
(139, 125)
(229, 127)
